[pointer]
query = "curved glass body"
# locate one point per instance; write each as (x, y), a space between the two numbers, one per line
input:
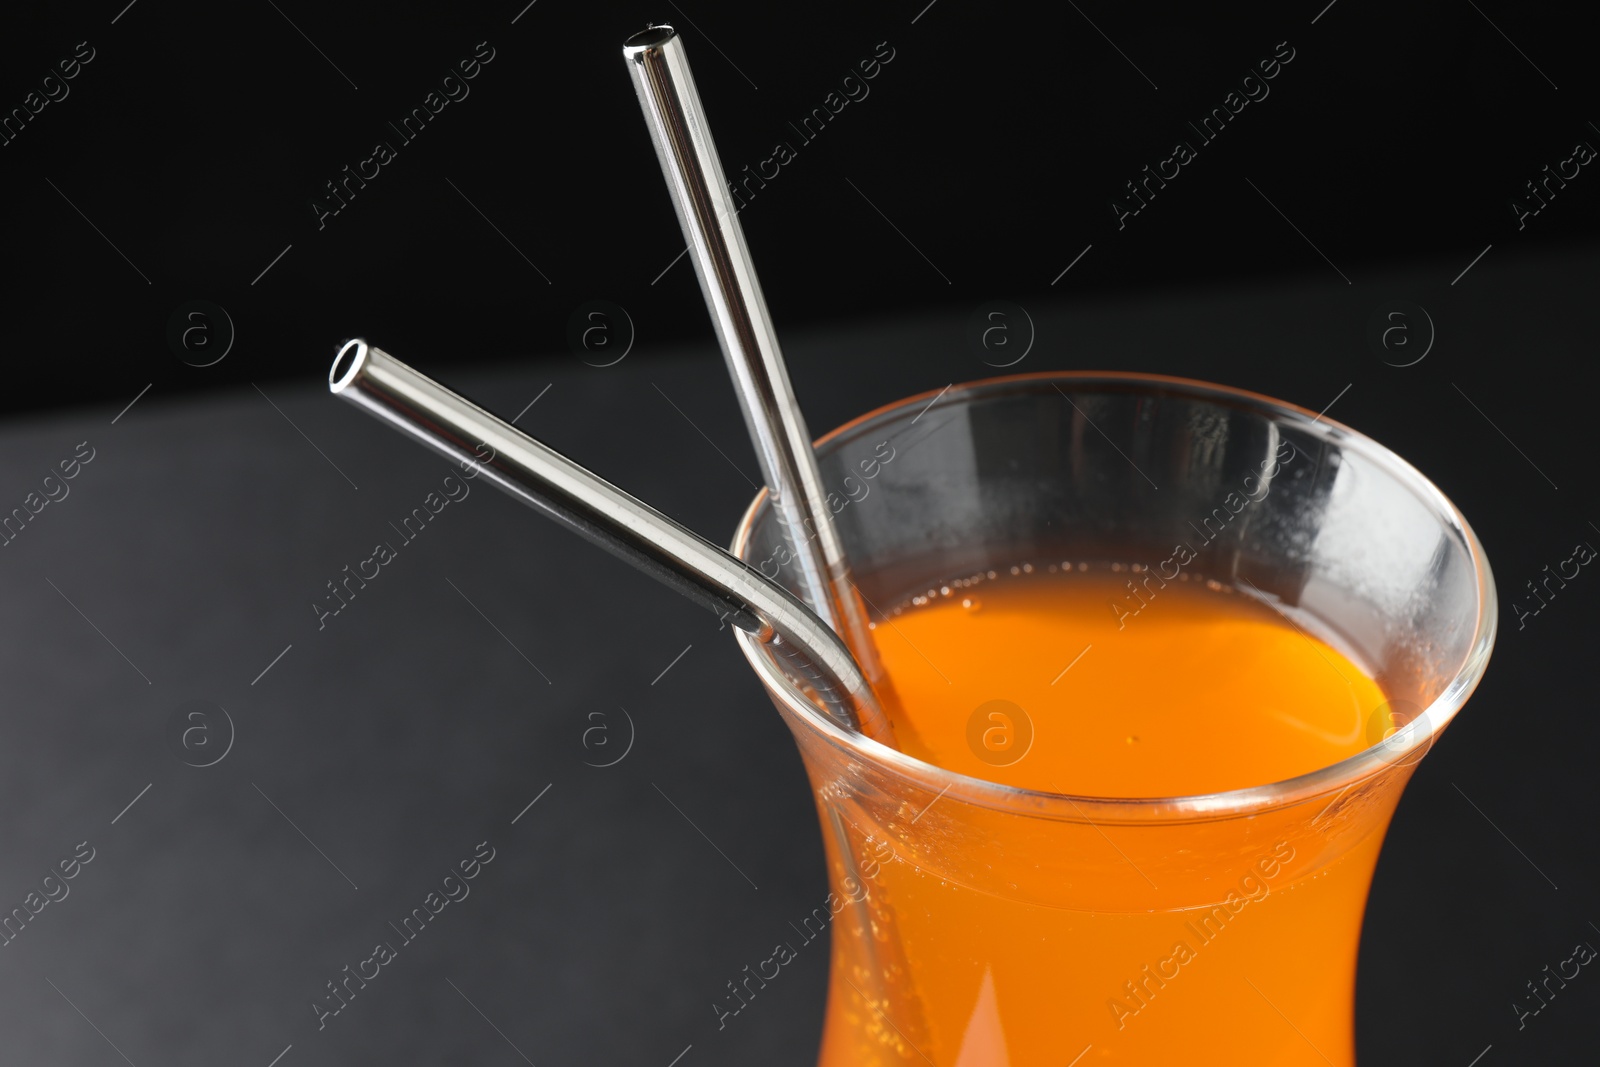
(977, 923)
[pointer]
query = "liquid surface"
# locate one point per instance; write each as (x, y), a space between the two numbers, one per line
(1073, 683)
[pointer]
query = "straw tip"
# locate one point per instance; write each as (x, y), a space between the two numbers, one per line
(648, 38)
(347, 364)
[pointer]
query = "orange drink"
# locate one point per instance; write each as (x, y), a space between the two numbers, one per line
(1206, 689)
(1033, 681)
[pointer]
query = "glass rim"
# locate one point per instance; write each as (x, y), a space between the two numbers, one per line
(1401, 748)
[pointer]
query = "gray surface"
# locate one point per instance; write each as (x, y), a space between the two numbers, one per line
(409, 729)
(397, 738)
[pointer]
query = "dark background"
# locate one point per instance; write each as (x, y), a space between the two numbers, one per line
(995, 141)
(1376, 177)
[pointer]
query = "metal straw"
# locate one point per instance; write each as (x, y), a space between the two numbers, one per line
(543, 478)
(682, 137)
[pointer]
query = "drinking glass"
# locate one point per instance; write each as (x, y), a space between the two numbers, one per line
(977, 923)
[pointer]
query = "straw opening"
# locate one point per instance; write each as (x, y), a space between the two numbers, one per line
(653, 37)
(347, 364)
